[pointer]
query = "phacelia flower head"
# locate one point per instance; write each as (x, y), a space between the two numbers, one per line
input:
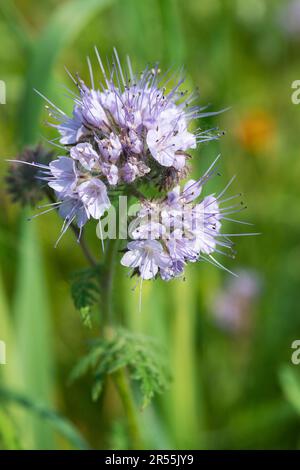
(125, 129)
(128, 131)
(176, 230)
(133, 126)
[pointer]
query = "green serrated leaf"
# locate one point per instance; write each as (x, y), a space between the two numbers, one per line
(140, 354)
(85, 314)
(97, 389)
(84, 365)
(85, 292)
(289, 379)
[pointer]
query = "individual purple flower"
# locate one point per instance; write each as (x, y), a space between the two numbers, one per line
(169, 139)
(86, 155)
(93, 194)
(162, 144)
(72, 209)
(148, 256)
(70, 129)
(93, 113)
(135, 143)
(129, 172)
(175, 269)
(182, 248)
(110, 148)
(133, 168)
(111, 172)
(191, 191)
(206, 224)
(63, 175)
(233, 303)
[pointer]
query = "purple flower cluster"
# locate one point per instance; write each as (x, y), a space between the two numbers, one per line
(131, 126)
(168, 234)
(129, 129)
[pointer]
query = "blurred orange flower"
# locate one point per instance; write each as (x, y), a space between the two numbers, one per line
(256, 131)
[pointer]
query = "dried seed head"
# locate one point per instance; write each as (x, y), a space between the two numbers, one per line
(23, 183)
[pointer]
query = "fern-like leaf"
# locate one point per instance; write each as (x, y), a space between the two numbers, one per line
(85, 291)
(143, 357)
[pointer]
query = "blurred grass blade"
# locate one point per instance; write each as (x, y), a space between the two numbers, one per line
(60, 424)
(138, 37)
(174, 47)
(16, 24)
(63, 26)
(33, 328)
(184, 405)
(8, 431)
(290, 383)
(247, 424)
(7, 373)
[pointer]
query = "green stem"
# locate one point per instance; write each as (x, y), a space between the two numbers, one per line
(126, 396)
(107, 277)
(119, 377)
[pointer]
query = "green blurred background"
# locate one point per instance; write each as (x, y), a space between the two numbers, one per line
(228, 342)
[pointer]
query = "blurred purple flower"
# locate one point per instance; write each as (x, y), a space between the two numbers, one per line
(233, 304)
(289, 17)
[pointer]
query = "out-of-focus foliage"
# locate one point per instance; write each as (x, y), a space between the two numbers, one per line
(59, 423)
(85, 291)
(231, 388)
(142, 356)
